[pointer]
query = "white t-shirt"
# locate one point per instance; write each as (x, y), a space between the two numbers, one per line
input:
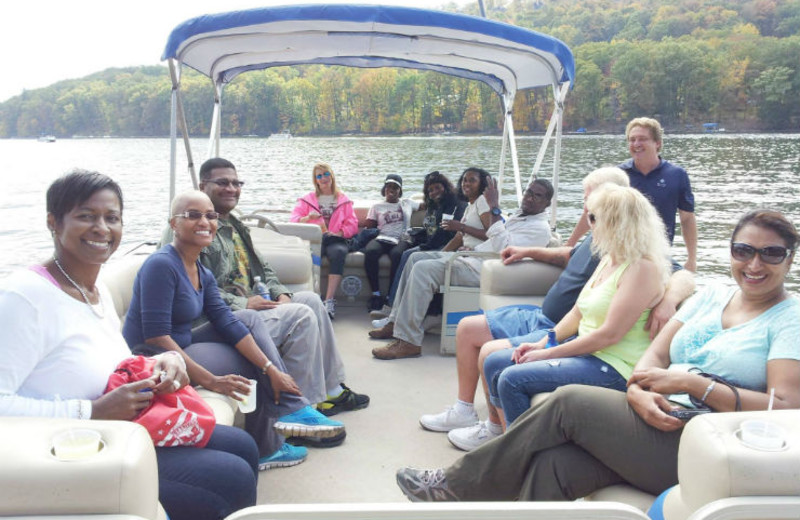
(472, 218)
(54, 345)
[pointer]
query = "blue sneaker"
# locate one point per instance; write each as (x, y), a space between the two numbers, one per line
(287, 455)
(308, 422)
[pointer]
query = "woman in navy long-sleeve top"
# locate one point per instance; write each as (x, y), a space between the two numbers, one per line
(173, 289)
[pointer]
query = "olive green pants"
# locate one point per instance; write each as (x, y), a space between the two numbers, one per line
(580, 439)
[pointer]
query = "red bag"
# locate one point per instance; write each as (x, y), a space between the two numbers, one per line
(179, 418)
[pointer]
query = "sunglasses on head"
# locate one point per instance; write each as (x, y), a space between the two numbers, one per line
(224, 183)
(431, 175)
(193, 214)
(321, 175)
(773, 255)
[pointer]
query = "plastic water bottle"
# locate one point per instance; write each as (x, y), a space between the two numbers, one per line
(551, 338)
(260, 288)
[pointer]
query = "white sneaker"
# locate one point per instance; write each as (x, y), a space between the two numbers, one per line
(448, 420)
(471, 437)
(330, 307)
(381, 323)
(384, 312)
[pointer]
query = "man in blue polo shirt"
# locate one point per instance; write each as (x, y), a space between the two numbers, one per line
(666, 185)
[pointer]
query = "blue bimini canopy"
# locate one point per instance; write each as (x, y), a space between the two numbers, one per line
(505, 57)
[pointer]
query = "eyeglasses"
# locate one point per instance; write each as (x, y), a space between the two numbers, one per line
(321, 175)
(193, 214)
(224, 183)
(592, 218)
(772, 255)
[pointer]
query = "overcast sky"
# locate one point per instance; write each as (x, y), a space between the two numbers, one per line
(45, 41)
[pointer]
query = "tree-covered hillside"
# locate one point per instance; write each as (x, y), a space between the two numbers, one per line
(685, 62)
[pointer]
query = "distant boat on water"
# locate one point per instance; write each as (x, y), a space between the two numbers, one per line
(286, 134)
(47, 138)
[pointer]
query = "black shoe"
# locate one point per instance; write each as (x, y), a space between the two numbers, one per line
(317, 442)
(375, 303)
(345, 402)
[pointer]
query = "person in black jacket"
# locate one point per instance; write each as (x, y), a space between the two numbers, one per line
(441, 198)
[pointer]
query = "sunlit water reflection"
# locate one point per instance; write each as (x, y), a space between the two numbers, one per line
(730, 174)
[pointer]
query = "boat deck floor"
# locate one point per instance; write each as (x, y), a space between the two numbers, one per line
(382, 437)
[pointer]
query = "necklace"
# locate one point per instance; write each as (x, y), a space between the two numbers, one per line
(83, 293)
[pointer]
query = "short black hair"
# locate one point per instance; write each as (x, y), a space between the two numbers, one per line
(483, 176)
(547, 185)
(76, 187)
(212, 164)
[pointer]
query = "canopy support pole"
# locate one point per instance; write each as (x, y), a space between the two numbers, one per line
(555, 126)
(216, 131)
(181, 119)
(509, 140)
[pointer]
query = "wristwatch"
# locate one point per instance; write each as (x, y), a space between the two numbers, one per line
(496, 211)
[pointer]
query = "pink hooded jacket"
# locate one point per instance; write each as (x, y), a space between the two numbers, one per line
(343, 219)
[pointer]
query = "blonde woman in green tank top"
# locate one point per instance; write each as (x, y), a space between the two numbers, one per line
(609, 316)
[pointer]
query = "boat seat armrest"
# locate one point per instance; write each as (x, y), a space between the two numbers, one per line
(120, 479)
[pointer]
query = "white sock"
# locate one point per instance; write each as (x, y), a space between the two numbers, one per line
(495, 429)
(464, 408)
(335, 391)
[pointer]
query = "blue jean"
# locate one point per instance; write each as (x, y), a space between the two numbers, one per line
(511, 386)
(211, 482)
(397, 272)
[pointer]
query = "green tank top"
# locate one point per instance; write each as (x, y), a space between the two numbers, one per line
(593, 303)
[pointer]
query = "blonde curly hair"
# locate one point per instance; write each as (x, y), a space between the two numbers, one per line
(627, 227)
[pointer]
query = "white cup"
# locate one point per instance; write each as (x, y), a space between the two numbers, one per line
(248, 402)
(446, 217)
(762, 435)
(76, 444)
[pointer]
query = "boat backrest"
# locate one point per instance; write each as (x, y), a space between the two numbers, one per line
(442, 511)
(520, 283)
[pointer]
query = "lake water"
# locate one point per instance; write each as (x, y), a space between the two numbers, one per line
(730, 174)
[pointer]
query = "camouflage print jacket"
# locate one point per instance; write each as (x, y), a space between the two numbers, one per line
(220, 258)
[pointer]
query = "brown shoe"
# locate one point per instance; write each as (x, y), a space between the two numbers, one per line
(397, 349)
(386, 332)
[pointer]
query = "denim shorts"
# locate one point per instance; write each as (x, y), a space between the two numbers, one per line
(518, 323)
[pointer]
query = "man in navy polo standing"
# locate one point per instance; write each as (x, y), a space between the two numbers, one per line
(666, 185)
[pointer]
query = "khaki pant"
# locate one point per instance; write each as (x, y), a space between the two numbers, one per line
(303, 333)
(421, 278)
(577, 441)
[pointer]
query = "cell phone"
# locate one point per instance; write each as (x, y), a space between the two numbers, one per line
(684, 414)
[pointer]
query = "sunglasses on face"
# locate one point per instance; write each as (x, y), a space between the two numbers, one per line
(321, 175)
(224, 183)
(193, 214)
(772, 255)
(592, 218)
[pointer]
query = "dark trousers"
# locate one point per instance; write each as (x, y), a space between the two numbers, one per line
(580, 439)
(372, 254)
(210, 350)
(336, 249)
(212, 482)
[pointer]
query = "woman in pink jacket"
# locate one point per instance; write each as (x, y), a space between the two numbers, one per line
(333, 212)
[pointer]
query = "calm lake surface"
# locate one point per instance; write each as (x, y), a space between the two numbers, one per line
(730, 174)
